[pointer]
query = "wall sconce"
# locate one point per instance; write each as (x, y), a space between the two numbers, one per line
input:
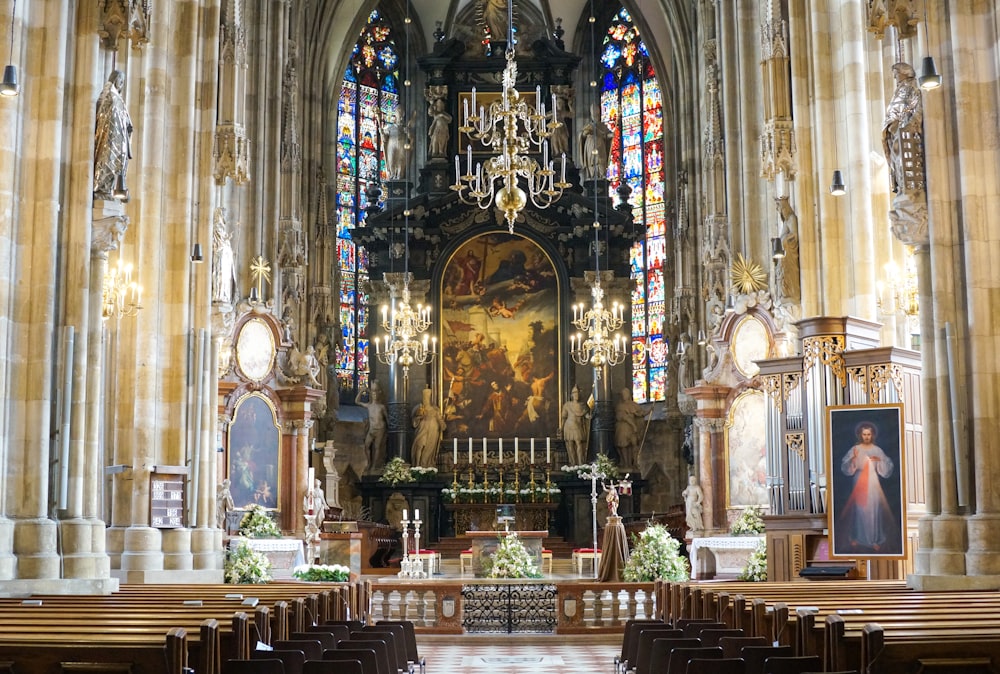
(929, 77)
(777, 249)
(121, 190)
(9, 86)
(702, 340)
(196, 255)
(837, 187)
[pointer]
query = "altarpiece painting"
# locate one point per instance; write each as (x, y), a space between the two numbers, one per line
(253, 451)
(499, 341)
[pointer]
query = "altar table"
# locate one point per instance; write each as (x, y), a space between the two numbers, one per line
(484, 543)
(721, 555)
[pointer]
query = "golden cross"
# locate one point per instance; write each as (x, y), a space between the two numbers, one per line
(261, 271)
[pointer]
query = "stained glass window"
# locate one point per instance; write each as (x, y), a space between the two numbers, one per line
(632, 106)
(369, 93)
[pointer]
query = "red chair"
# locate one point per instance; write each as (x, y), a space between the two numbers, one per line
(580, 554)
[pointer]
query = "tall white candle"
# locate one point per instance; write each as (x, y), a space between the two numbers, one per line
(470, 451)
(484, 451)
(548, 450)
(500, 450)
(515, 450)
(416, 515)
(404, 514)
(532, 456)
(454, 450)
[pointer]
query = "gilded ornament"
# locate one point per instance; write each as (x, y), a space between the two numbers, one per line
(747, 276)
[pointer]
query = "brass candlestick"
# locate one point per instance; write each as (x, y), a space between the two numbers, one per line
(548, 483)
(500, 494)
(531, 484)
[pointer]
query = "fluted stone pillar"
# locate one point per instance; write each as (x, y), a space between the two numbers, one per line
(711, 458)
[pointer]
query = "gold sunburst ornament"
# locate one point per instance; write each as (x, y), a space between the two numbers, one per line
(747, 276)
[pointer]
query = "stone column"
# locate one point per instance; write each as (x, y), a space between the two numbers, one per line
(33, 301)
(711, 457)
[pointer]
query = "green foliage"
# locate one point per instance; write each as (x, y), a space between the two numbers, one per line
(257, 523)
(656, 554)
(331, 573)
(244, 565)
(756, 568)
(749, 522)
(511, 560)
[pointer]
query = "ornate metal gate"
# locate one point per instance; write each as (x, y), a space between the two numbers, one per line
(509, 607)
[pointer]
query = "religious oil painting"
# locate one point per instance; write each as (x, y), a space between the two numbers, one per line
(253, 451)
(499, 339)
(866, 499)
(746, 451)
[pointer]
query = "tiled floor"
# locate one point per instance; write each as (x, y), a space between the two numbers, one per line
(513, 654)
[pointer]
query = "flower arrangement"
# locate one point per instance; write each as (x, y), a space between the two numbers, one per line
(656, 554)
(749, 522)
(756, 568)
(477, 494)
(511, 560)
(257, 523)
(331, 573)
(421, 473)
(245, 565)
(605, 466)
(396, 471)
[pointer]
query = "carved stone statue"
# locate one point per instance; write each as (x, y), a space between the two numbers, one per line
(693, 508)
(439, 130)
(378, 422)
(314, 502)
(223, 261)
(786, 269)
(595, 144)
(223, 503)
(397, 143)
(429, 422)
(627, 435)
(559, 141)
(574, 428)
(902, 131)
(112, 137)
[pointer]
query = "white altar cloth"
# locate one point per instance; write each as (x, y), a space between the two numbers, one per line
(721, 555)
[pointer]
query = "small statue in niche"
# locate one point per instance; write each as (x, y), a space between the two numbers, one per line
(902, 130)
(439, 130)
(112, 137)
(595, 144)
(786, 269)
(397, 142)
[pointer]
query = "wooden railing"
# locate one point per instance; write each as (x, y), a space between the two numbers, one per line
(436, 607)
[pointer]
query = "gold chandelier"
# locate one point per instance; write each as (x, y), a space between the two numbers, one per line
(120, 295)
(511, 128)
(595, 344)
(403, 326)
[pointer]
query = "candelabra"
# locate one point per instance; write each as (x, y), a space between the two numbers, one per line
(899, 294)
(511, 128)
(121, 296)
(596, 345)
(402, 325)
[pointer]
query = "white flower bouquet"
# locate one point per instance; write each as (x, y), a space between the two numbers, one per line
(257, 523)
(396, 471)
(656, 554)
(749, 522)
(330, 573)
(756, 568)
(245, 565)
(511, 560)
